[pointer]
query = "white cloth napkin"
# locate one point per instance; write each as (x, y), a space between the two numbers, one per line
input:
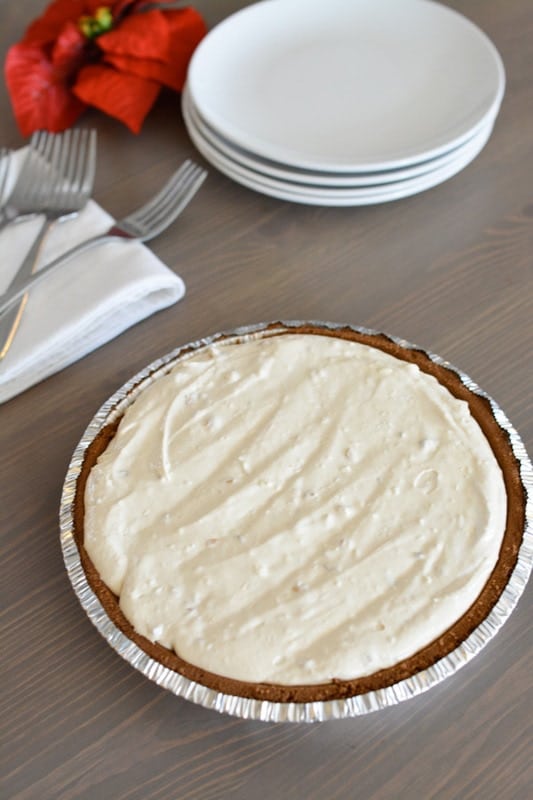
(84, 303)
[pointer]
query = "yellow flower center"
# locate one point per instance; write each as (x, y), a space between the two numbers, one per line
(95, 26)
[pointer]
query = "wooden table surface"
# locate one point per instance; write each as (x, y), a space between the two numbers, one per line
(449, 269)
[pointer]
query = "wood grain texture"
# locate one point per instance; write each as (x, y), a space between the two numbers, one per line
(451, 270)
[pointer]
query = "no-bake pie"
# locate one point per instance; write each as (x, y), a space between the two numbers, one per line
(307, 513)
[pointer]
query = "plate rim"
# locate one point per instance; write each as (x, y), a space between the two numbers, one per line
(266, 149)
(339, 197)
(327, 181)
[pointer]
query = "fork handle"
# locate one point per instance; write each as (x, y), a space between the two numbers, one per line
(11, 321)
(30, 259)
(20, 285)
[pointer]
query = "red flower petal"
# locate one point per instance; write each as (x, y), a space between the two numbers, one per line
(126, 97)
(142, 67)
(186, 25)
(186, 28)
(70, 50)
(143, 50)
(47, 27)
(121, 7)
(141, 35)
(39, 96)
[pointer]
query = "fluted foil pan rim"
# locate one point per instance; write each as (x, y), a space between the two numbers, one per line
(266, 710)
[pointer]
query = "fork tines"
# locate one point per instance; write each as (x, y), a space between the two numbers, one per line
(166, 205)
(68, 160)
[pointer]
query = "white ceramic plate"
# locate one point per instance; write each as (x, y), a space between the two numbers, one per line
(334, 180)
(347, 85)
(323, 195)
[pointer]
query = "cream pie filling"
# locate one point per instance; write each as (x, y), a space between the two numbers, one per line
(295, 509)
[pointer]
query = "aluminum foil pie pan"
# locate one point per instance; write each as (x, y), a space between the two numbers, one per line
(266, 710)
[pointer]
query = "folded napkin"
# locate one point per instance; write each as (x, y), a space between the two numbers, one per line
(83, 304)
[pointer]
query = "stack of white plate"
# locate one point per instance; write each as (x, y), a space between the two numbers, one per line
(343, 103)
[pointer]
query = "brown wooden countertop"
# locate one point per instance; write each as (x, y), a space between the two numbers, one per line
(450, 269)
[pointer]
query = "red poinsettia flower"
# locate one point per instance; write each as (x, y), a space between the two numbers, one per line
(114, 56)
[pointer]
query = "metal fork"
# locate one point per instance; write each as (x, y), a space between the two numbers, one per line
(5, 166)
(9, 212)
(50, 158)
(56, 179)
(142, 225)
